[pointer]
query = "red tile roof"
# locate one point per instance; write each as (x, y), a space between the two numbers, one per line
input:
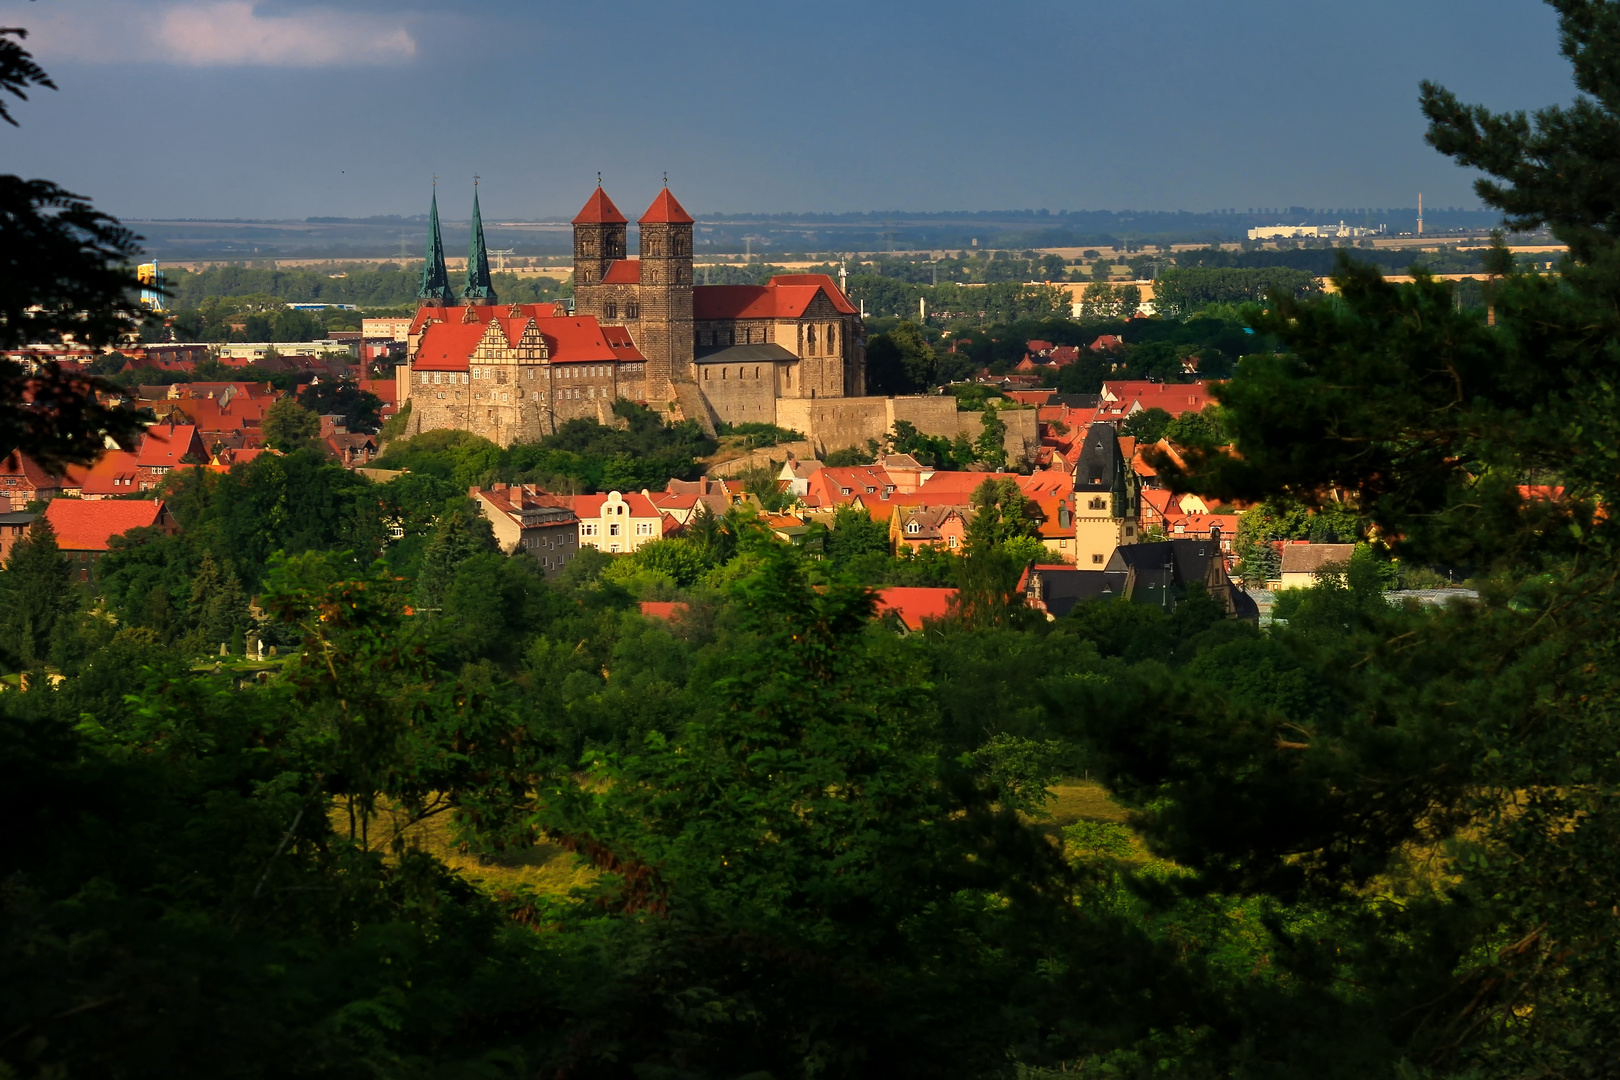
(446, 346)
(599, 210)
(662, 609)
(87, 526)
(164, 445)
(786, 297)
(20, 464)
(624, 347)
(913, 605)
(665, 211)
(574, 340)
(590, 506)
(114, 473)
(623, 272)
(1173, 398)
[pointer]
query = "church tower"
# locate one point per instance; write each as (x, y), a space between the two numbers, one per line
(479, 289)
(435, 286)
(667, 339)
(599, 238)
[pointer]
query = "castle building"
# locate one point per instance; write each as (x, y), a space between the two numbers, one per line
(640, 329)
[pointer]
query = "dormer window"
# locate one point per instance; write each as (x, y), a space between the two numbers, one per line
(843, 491)
(913, 527)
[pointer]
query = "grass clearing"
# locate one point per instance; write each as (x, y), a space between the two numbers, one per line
(546, 868)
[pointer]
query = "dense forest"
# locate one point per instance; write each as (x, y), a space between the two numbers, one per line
(468, 821)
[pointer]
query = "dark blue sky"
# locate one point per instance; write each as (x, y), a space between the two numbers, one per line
(225, 108)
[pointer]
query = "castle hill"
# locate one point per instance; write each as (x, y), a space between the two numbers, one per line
(757, 548)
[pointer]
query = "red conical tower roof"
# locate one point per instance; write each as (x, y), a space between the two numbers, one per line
(665, 211)
(599, 210)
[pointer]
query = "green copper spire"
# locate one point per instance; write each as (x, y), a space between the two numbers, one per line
(435, 287)
(478, 289)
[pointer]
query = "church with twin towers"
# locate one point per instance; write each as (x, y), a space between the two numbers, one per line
(638, 329)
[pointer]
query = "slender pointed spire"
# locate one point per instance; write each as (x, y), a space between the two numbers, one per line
(435, 287)
(479, 289)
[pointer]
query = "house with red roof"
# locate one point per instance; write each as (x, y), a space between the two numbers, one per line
(164, 447)
(913, 608)
(84, 529)
(929, 526)
(114, 474)
(615, 522)
(1174, 398)
(23, 480)
(666, 610)
(525, 519)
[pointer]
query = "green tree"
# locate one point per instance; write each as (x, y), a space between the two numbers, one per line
(64, 276)
(360, 409)
(1197, 428)
(990, 448)
(36, 594)
(218, 606)
(458, 535)
(288, 426)
(856, 533)
(1149, 425)
(900, 362)
(1002, 512)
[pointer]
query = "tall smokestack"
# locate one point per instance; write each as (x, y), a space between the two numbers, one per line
(1420, 213)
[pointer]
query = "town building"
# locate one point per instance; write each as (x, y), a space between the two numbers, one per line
(616, 522)
(162, 448)
(1302, 562)
(84, 530)
(1105, 499)
(912, 608)
(23, 480)
(929, 526)
(525, 518)
(1160, 574)
(14, 525)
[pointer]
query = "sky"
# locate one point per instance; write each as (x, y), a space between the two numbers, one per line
(237, 109)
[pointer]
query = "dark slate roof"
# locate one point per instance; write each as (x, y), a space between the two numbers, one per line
(769, 352)
(1076, 401)
(1184, 560)
(1061, 590)
(1100, 462)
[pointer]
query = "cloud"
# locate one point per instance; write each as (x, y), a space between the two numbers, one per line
(224, 33)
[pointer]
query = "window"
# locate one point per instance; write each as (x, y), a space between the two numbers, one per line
(832, 339)
(810, 341)
(632, 311)
(589, 529)
(913, 527)
(424, 378)
(610, 311)
(1099, 503)
(613, 547)
(478, 373)
(437, 376)
(1096, 558)
(613, 529)
(643, 528)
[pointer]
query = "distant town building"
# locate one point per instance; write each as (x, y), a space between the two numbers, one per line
(1341, 231)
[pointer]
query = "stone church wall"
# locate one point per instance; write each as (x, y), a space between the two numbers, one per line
(838, 423)
(740, 393)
